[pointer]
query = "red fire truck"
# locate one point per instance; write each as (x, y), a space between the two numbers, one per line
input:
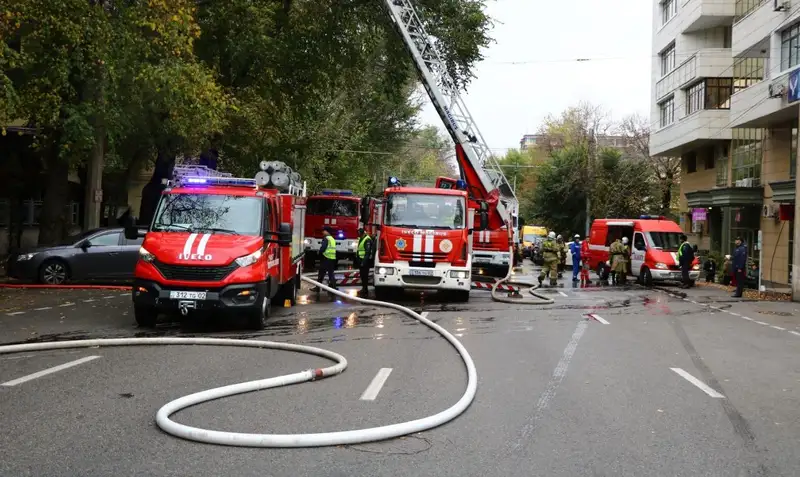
(424, 240)
(337, 209)
(220, 243)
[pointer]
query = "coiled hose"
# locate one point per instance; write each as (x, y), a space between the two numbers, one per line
(541, 300)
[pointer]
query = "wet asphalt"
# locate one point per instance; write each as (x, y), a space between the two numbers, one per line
(560, 392)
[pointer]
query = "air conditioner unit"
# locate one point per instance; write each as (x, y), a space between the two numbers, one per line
(781, 5)
(776, 90)
(747, 182)
(739, 183)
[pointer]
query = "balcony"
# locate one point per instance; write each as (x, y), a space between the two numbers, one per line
(752, 31)
(754, 108)
(703, 14)
(690, 132)
(706, 63)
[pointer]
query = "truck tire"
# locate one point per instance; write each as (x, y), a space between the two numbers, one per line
(383, 293)
(257, 319)
(645, 277)
(460, 296)
(146, 316)
(288, 291)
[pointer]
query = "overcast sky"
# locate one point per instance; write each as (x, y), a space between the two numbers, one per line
(530, 70)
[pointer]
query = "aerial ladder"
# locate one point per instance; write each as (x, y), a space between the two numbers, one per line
(478, 168)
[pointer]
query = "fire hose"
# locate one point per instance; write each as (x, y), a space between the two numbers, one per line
(542, 300)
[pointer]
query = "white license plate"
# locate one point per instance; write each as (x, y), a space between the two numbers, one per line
(187, 295)
(423, 273)
(676, 275)
(339, 277)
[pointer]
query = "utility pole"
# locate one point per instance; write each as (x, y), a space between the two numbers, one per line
(589, 163)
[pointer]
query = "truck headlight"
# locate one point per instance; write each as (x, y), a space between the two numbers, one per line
(352, 244)
(307, 241)
(25, 256)
(248, 260)
(696, 266)
(385, 271)
(146, 256)
(661, 266)
(459, 274)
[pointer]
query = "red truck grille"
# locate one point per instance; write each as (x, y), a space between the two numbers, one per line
(422, 257)
(196, 273)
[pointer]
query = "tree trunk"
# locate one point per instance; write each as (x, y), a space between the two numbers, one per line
(666, 194)
(151, 192)
(52, 220)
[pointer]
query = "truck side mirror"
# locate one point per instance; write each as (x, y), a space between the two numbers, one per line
(484, 220)
(484, 206)
(365, 211)
(132, 232)
(285, 233)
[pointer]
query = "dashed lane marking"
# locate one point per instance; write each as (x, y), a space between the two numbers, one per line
(796, 333)
(47, 371)
(89, 300)
(15, 313)
(700, 384)
(377, 383)
(598, 318)
(563, 294)
(43, 308)
(777, 328)
(66, 304)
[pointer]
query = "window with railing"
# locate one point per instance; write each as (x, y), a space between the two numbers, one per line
(667, 59)
(669, 8)
(667, 112)
(711, 93)
(744, 7)
(747, 71)
(747, 151)
(793, 155)
(721, 160)
(790, 47)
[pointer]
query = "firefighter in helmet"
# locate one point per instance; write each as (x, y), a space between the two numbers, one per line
(551, 253)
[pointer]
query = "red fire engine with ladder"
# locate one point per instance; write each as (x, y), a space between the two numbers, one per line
(221, 243)
(479, 169)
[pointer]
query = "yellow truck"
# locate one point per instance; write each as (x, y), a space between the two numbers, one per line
(532, 236)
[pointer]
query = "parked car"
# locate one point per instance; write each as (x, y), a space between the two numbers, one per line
(99, 254)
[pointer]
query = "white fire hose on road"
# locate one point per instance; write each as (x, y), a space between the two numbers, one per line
(280, 440)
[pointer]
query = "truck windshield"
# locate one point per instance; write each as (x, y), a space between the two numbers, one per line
(531, 238)
(665, 240)
(429, 211)
(336, 207)
(211, 213)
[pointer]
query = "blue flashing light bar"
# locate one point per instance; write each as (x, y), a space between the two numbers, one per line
(340, 235)
(336, 192)
(394, 182)
(652, 217)
(217, 181)
(461, 184)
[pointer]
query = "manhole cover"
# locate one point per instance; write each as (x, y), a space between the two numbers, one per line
(401, 445)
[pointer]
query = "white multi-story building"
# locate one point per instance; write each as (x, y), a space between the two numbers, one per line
(726, 85)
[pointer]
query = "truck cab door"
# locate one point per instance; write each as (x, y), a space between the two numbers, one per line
(638, 253)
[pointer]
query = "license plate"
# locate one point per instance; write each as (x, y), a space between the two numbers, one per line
(339, 277)
(676, 275)
(423, 273)
(187, 295)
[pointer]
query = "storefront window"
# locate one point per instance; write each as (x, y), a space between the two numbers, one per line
(746, 153)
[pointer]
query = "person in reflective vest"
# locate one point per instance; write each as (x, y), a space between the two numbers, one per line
(365, 260)
(327, 263)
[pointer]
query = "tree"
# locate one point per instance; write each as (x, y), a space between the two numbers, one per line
(665, 170)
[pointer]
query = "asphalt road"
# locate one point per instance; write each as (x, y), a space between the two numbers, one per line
(700, 384)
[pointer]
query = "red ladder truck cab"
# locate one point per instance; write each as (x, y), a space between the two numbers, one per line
(654, 243)
(338, 209)
(424, 240)
(220, 243)
(490, 253)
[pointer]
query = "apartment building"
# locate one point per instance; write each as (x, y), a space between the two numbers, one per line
(622, 143)
(725, 83)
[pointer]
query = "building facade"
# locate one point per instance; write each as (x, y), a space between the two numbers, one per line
(725, 84)
(531, 141)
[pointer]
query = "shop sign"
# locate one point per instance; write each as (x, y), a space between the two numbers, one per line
(699, 215)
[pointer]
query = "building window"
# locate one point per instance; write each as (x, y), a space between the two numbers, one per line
(790, 47)
(747, 72)
(744, 7)
(691, 163)
(711, 93)
(746, 153)
(793, 155)
(669, 8)
(667, 59)
(694, 97)
(710, 158)
(722, 166)
(667, 112)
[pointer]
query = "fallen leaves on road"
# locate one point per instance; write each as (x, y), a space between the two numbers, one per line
(751, 294)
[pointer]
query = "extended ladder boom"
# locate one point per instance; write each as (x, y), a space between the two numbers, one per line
(478, 166)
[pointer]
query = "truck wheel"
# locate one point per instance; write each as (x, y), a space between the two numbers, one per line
(289, 291)
(645, 277)
(257, 318)
(461, 296)
(146, 316)
(383, 293)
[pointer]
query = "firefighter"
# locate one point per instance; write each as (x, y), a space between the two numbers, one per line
(616, 252)
(365, 259)
(551, 253)
(585, 260)
(562, 257)
(575, 249)
(327, 263)
(626, 260)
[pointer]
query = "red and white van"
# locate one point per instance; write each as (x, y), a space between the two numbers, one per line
(654, 242)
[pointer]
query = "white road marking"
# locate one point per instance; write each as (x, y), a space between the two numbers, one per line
(777, 327)
(15, 313)
(89, 300)
(108, 297)
(552, 386)
(599, 318)
(377, 383)
(795, 333)
(47, 371)
(762, 323)
(43, 308)
(747, 318)
(734, 314)
(562, 294)
(66, 304)
(700, 384)
(124, 294)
